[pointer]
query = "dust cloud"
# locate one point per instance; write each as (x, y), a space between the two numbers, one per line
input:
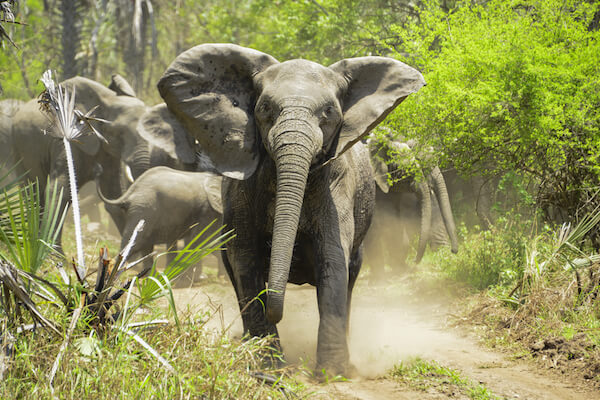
(384, 330)
(391, 241)
(386, 326)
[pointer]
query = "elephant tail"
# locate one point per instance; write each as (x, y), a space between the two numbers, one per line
(119, 202)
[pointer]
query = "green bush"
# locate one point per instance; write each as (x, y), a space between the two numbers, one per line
(487, 258)
(511, 87)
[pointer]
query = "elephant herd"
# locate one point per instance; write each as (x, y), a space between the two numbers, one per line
(274, 150)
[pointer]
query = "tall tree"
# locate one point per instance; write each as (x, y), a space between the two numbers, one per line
(71, 12)
(136, 24)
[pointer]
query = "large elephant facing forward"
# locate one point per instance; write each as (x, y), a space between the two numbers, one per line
(299, 190)
(42, 156)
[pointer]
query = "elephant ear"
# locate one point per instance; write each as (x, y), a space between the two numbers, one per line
(376, 85)
(160, 127)
(380, 168)
(212, 186)
(210, 89)
(119, 85)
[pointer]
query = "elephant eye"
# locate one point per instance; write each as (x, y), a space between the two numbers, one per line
(263, 111)
(264, 107)
(328, 115)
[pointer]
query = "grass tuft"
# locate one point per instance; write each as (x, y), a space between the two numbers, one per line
(426, 375)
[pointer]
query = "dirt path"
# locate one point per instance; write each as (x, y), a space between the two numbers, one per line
(383, 332)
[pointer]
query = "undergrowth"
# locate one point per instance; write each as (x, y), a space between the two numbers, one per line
(207, 365)
(538, 287)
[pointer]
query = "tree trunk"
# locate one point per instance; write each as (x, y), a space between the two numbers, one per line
(71, 26)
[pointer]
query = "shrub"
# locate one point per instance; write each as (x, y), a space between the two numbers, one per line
(487, 258)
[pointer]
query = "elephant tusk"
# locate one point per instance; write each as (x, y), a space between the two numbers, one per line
(128, 173)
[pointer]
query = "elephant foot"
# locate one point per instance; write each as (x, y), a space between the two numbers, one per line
(330, 372)
(271, 355)
(268, 350)
(274, 360)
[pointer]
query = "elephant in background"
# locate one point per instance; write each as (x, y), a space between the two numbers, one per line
(298, 189)
(8, 109)
(42, 156)
(174, 205)
(404, 204)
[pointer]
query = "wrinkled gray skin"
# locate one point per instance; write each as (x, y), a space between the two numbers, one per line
(405, 205)
(174, 205)
(8, 109)
(269, 127)
(43, 155)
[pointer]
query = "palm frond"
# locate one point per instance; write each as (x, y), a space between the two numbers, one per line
(569, 240)
(28, 230)
(59, 104)
(198, 248)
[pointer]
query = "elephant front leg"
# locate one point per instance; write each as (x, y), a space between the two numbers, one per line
(245, 257)
(249, 284)
(245, 260)
(333, 298)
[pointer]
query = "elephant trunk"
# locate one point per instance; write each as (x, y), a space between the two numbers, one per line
(98, 171)
(441, 192)
(425, 231)
(140, 160)
(292, 152)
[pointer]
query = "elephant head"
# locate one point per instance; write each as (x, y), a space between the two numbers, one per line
(118, 106)
(384, 165)
(240, 106)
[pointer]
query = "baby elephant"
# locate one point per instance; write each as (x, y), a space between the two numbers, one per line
(174, 205)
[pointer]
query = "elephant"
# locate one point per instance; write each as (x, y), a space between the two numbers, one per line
(8, 109)
(405, 204)
(298, 187)
(42, 156)
(174, 204)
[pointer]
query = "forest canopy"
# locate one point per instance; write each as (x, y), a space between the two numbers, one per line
(513, 89)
